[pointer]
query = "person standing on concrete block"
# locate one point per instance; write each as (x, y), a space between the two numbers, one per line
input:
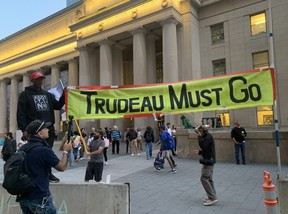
(238, 135)
(39, 161)
(36, 103)
(207, 151)
(94, 167)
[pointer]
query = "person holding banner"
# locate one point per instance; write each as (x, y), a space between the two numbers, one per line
(36, 103)
(94, 168)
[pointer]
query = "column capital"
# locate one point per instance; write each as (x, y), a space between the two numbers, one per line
(170, 20)
(139, 30)
(74, 60)
(5, 80)
(106, 41)
(85, 48)
(55, 66)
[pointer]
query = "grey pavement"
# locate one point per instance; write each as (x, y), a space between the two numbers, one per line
(239, 187)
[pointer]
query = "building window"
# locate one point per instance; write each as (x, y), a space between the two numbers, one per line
(258, 24)
(159, 68)
(217, 33)
(264, 113)
(219, 67)
(265, 116)
(224, 117)
(260, 60)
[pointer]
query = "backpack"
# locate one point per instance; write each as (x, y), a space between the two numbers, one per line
(16, 180)
(9, 148)
(170, 141)
(148, 136)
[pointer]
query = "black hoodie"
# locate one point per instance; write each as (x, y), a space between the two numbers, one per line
(35, 104)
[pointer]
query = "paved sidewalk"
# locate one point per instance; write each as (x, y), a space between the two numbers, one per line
(239, 187)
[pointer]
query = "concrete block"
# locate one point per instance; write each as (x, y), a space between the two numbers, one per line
(84, 198)
(283, 192)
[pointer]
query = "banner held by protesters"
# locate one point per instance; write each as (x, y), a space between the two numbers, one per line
(239, 90)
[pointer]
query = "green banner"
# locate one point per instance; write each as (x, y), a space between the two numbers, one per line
(241, 90)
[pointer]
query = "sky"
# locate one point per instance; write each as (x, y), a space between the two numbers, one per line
(19, 14)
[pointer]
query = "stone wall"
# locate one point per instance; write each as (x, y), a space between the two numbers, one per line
(260, 146)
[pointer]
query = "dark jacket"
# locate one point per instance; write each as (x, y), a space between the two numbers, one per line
(149, 135)
(37, 104)
(207, 145)
(239, 134)
(131, 134)
(39, 161)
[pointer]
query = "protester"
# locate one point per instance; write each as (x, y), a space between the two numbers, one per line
(132, 136)
(39, 161)
(9, 146)
(207, 150)
(76, 144)
(139, 139)
(94, 167)
(186, 122)
(36, 103)
(238, 135)
(21, 142)
(149, 139)
(116, 137)
(165, 150)
(126, 139)
(173, 132)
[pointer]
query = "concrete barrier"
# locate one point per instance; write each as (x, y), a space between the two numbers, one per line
(283, 195)
(84, 198)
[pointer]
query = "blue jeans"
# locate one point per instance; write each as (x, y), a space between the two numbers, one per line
(240, 146)
(148, 147)
(38, 206)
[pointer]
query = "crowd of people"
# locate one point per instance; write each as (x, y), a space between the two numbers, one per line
(35, 117)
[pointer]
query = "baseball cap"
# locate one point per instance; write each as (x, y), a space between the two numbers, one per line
(35, 75)
(163, 128)
(36, 126)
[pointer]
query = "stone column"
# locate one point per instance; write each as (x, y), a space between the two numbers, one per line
(26, 80)
(55, 76)
(106, 71)
(139, 66)
(84, 66)
(13, 105)
(151, 58)
(105, 62)
(117, 56)
(3, 106)
(117, 76)
(170, 55)
(73, 71)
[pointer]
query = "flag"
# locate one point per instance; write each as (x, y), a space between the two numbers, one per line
(57, 90)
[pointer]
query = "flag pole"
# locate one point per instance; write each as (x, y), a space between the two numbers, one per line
(61, 83)
(276, 125)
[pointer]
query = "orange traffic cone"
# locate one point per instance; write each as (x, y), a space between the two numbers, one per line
(270, 199)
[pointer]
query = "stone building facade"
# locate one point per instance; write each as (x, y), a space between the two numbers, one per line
(125, 42)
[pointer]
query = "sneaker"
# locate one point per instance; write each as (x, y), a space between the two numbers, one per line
(82, 158)
(53, 178)
(132, 154)
(105, 163)
(138, 154)
(205, 199)
(158, 170)
(174, 165)
(173, 171)
(210, 202)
